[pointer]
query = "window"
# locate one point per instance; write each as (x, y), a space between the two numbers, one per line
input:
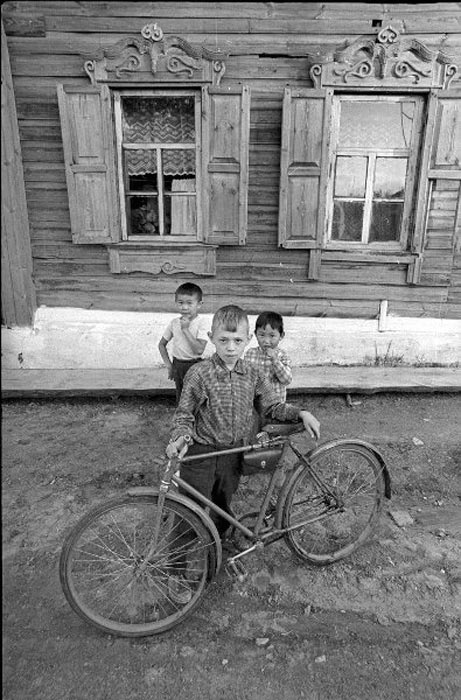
(158, 147)
(374, 152)
(156, 155)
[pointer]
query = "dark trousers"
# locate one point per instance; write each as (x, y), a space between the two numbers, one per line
(217, 478)
(180, 368)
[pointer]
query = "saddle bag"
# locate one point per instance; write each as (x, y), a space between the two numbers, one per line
(261, 460)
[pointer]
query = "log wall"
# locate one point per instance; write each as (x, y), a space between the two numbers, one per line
(268, 44)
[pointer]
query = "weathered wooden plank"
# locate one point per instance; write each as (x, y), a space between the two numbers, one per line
(39, 109)
(256, 44)
(139, 301)
(415, 24)
(252, 288)
(36, 383)
(44, 65)
(23, 24)
(18, 292)
(164, 9)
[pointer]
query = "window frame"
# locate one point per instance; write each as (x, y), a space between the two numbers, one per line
(413, 153)
(162, 238)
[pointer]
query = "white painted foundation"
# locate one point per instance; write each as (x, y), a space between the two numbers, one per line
(71, 338)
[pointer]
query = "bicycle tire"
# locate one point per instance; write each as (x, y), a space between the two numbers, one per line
(101, 573)
(354, 473)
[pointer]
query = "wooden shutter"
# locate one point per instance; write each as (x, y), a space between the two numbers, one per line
(441, 160)
(225, 146)
(304, 171)
(89, 160)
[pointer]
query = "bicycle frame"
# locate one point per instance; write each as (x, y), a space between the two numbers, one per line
(258, 535)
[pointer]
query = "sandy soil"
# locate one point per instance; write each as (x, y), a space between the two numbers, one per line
(383, 624)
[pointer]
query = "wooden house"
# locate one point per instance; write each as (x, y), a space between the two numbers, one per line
(302, 157)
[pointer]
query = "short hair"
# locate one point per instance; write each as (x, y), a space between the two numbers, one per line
(229, 317)
(189, 288)
(270, 318)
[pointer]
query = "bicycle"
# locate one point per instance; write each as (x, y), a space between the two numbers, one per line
(117, 563)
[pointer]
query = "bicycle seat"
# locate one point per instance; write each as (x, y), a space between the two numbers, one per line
(273, 429)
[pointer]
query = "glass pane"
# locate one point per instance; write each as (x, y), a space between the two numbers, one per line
(158, 119)
(351, 173)
(142, 215)
(374, 125)
(390, 176)
(181, 215)
(347, 221)
(178, 163)
(386, 219)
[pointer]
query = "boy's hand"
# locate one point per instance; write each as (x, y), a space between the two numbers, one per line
(170, 372)
(311, 424)
(184, 322)
(271, 352)
(178, 447)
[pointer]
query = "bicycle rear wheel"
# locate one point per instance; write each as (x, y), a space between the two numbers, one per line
(355, 476)
(108, 580)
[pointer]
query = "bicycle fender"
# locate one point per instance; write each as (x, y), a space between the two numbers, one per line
(322, 448)
(202, 514)
(368, 446)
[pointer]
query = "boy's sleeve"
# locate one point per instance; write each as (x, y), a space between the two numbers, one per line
(168, 332)
(191, 398)
(282, 368)
(270, 402)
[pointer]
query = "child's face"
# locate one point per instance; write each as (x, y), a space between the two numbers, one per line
(268, 337)
(188, 305)
(230, 345)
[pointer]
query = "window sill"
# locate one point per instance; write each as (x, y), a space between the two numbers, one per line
(156, 257)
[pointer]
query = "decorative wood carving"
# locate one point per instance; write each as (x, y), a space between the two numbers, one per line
(168, 59)
(138, 257)
(386, 60)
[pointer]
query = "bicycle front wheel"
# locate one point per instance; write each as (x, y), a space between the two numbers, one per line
(112, 578)
(354, 476)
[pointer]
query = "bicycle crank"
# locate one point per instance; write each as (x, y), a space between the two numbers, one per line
(235, 567)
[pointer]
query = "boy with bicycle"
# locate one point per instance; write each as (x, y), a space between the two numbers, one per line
(215, 412)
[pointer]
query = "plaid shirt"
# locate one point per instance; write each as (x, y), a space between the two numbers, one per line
(216, 405)
(277, 371)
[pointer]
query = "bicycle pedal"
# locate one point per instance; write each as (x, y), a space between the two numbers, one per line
(235, 568)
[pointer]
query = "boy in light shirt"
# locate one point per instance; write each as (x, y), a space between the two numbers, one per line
(188, 335)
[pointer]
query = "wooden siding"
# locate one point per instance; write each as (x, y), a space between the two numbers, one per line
(268, 44)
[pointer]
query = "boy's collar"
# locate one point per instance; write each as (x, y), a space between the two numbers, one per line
(240, 366)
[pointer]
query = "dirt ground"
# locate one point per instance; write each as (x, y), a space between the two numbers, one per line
(383, 624)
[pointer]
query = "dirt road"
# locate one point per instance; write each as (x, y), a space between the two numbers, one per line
(383, 624)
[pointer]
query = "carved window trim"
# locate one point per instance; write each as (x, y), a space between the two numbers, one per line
(386, 61)
(154, 57)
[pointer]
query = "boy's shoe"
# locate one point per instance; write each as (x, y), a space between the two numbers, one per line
(179, 590)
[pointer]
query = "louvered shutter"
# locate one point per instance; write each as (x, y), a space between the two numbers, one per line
(90, 165)
(225, 147)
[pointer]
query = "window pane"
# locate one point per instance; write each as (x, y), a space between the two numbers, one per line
(351, 173)
(347, 221)
(374, 125)
(182, 212)
(158, 120)
(386, 218)
(142, 214)
(390, 176)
